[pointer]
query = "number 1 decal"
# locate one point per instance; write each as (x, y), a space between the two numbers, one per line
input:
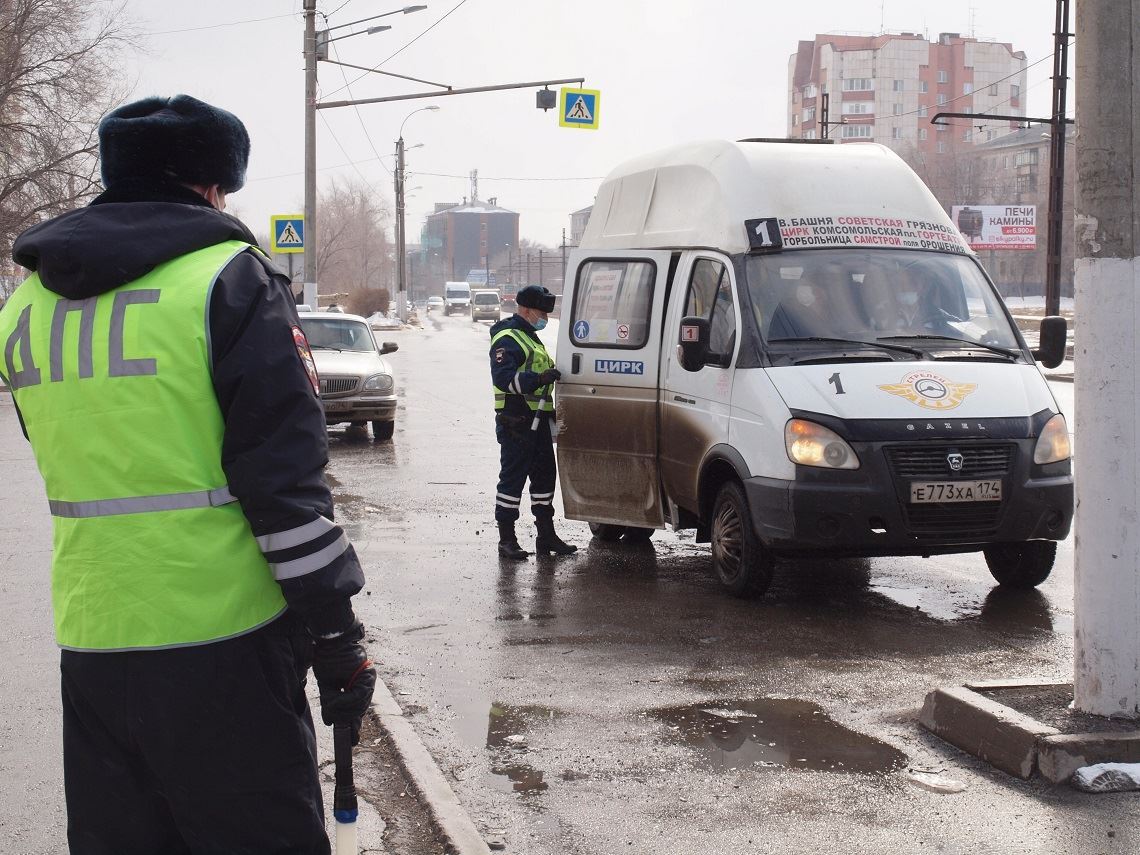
(764, 234)
(835, 381)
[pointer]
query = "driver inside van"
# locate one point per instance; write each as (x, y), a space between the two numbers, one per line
(918, 305)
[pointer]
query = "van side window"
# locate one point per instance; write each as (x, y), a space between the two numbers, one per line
(612, 303)
(710, 297)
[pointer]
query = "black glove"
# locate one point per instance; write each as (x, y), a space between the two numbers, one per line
(345, 679)
(550, 375)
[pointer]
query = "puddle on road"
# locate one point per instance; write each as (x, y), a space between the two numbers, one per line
(507, 740)
(525, 617)
(777, 732)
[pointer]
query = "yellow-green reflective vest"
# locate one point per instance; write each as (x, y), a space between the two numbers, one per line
(150, 550)
(537, 360)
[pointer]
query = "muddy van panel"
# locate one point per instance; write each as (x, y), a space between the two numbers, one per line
(609, 353)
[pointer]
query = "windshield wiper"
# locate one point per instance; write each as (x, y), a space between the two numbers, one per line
(1012, 354)
(913, 351)
(325, 347)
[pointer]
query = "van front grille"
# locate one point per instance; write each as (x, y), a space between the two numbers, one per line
(932, 461)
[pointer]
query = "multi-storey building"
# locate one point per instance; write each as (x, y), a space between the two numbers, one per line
(475, 235)
(886, 88)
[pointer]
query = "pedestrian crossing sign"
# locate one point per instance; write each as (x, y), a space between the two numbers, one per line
(288, 232)
(578, 108)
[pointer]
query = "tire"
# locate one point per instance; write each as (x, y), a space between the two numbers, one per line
(382, 431)
(607, 532)
(636, 534)
(1021, 565)
(740, 561)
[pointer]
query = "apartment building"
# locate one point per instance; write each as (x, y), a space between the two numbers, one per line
(886, 89)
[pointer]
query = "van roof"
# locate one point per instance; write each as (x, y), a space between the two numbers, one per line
(699, 194)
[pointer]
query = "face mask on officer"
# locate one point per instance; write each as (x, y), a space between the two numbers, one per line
(539, 324)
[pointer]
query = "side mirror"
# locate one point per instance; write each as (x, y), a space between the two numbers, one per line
(389, 347)
(1053, 342)
(693, 343)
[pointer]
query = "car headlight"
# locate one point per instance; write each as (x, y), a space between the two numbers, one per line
(810, 444)
(1053, 443)
(378, 383)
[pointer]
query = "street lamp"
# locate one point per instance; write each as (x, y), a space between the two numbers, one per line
(399, 176)
(316, 47)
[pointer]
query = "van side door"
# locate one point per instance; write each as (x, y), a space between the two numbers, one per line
(609, 353)
(696, 403)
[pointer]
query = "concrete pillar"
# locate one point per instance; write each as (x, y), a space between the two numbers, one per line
(1107, 657)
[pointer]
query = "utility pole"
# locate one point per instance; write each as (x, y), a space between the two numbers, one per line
(564, 259)
(1054, 249)
(398, 177)
(540, 262)
(310, 51)
(1107, 553)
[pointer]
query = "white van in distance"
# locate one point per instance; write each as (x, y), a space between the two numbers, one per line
(456, 297)
(790, 348)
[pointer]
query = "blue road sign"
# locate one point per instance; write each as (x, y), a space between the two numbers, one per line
(288, 232)
(581, 330)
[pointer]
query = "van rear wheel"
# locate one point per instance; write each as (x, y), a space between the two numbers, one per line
(606, 531)
(740, 561)
(1021, 565)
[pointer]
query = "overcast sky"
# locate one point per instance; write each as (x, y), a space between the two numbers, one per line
(669, 71)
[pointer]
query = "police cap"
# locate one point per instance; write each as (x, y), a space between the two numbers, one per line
(535, 297)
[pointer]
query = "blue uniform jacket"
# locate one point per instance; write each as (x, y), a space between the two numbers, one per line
(506, 360)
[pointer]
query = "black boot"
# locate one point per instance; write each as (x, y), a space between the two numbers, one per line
(508, 543)
(547, 541)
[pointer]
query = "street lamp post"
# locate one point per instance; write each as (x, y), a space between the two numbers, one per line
(510, 272)
(310, 49)
(401, 283)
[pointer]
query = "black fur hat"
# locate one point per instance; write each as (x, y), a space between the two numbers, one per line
(178, 138)
(535, 297)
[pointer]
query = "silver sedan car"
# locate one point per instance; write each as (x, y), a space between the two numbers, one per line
(357, 385)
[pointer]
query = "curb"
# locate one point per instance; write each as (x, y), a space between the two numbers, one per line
(1014, 742)
(451, 821)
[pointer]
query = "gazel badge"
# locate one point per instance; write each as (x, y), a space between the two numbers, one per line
(930, 391)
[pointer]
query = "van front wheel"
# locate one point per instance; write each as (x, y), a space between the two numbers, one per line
(741, 563)
(1021, 565)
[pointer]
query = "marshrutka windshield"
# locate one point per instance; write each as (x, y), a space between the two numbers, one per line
(458, 292)
(486, 299)
(887, 296)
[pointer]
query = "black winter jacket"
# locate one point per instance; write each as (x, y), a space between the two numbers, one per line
(275, 445)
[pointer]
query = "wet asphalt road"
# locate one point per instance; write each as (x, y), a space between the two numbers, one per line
(618, 701)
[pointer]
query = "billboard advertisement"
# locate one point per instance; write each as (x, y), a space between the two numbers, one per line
(997, 226)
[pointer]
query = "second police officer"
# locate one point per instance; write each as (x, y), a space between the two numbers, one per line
(523, 375)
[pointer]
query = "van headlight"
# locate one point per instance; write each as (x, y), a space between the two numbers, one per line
(1053, 443)
(381, 383)
(810, 444)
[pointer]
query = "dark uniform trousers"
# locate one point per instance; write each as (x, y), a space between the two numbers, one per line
(165, 751)
(524, 453)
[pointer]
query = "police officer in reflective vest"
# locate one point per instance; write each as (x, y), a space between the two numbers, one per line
(161, 375)
(523, 375)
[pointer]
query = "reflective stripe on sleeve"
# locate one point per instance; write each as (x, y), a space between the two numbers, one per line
(142, 504)
(295, 536)
(319, 559)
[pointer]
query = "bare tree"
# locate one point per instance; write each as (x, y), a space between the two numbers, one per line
(59, 73)
(354, 251)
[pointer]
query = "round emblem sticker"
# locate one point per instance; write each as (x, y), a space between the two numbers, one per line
(623, 331)
(930, 391)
